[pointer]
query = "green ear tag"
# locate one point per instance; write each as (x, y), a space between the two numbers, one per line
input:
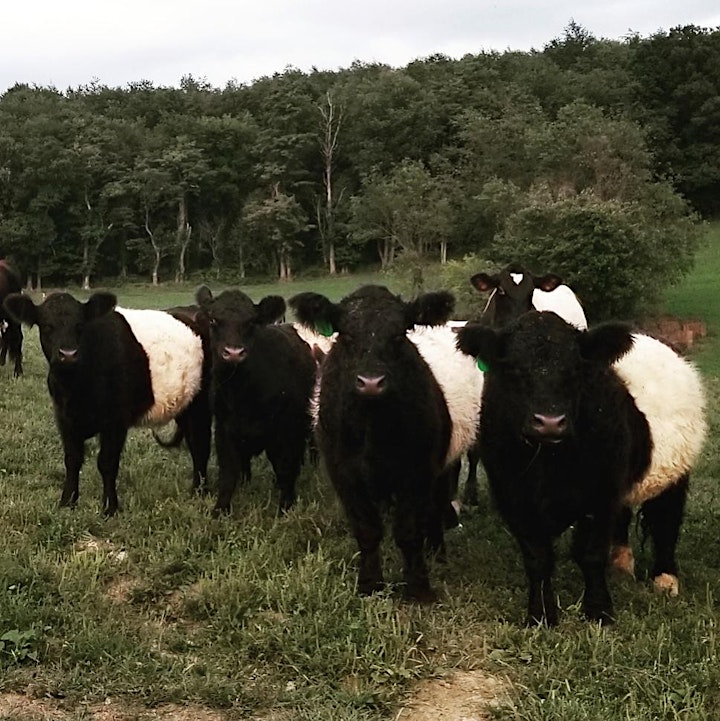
(481, 364)
(324, 328)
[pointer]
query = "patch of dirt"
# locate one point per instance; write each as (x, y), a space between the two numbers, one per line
(460, 696)
(16, 707)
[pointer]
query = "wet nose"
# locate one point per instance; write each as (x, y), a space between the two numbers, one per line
(370, 386)
(550, 427)
(67, 356)
(233, 354)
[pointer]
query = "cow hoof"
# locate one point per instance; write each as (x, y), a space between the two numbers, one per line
(666, 584)
(420, 594)
(622, 559)
(367, 588)
(220, 511)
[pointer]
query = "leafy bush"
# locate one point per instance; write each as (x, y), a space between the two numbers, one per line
(618, 257)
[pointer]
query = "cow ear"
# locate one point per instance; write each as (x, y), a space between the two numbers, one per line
(430, 309)
(547, 282)
(270, 309)
(481, 342)
(316, 312)
(606, 343)
(203, 295)
(21, 308)
(483, 282)
(99, 304)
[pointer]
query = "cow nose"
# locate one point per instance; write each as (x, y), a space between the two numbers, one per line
(370, 386)
(550, 428)
(233, 354)
(67, 356)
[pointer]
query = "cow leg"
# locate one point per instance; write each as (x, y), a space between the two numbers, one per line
(621, 555)
(112, 443)
(14, 344)
(195, 424)
(662, 517)
(286, 462)
(590, 550)
(539, 561)
(233, 461)
(409, 529)
(470, 496)
(74, 453)
(366, 526)
(3, 346)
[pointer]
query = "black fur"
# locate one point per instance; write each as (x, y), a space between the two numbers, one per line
(562, 442)
(99, 382)
(262, 381)
(383, 428)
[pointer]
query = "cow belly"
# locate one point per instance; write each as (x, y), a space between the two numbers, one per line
(175, 358)
(668, 391)
(459, 379)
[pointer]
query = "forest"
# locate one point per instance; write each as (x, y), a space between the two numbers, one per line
(593, 158)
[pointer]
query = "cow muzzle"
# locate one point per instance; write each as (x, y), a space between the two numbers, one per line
(548, 428)
(370, 386)
(67, 356)
(232, 354)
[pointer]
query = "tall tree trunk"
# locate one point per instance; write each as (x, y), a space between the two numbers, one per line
(443, 252)
(332, 121)
(156, 248)
(184, 232)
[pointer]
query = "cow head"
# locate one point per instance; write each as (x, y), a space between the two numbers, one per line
(61, 320)
(538, 366)
(372, 326)
(234, 319)
(512, 288)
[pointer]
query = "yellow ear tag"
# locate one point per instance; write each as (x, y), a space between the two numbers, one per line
(324, 328)
(481, 364)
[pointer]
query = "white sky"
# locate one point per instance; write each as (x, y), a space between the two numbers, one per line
(67, 43)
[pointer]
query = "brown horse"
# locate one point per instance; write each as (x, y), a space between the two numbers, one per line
(11, 336)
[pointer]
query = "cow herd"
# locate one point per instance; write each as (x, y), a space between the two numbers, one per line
(574, 427)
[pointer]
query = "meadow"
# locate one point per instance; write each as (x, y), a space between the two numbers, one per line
(162, 610)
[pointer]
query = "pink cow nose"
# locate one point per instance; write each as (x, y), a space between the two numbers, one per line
(370, 386)
(550, 427)
(233, 354)
(67, 356)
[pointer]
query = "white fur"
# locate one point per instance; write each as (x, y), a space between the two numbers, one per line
(460, 380)
(175, 356)
(313, 338)
(457, 375)
(668, 390)
(563, 302)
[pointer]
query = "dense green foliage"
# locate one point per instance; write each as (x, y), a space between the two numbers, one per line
(255, 616)
(348, 169)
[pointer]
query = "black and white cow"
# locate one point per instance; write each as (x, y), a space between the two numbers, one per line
(515, 290)
(562, 443)
(11, 337)
(666, 388)
(262, 380)
(392, 417)
(110, 369)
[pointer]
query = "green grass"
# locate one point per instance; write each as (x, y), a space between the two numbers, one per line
(256, 615)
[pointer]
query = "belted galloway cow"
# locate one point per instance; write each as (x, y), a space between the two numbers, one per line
(564, 442)
(110, 369)
(393, 416)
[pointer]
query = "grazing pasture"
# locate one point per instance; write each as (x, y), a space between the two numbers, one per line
(164, 612)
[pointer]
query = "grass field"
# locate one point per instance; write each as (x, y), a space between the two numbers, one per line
(162, 612)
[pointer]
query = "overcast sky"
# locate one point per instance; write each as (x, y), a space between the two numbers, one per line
(67, 43)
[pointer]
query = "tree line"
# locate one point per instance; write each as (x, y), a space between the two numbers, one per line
(592, 157)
